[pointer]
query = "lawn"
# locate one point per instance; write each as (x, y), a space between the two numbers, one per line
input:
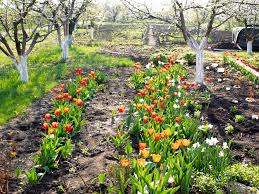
(45, 70)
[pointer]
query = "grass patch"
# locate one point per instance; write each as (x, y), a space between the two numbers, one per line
(45, 70)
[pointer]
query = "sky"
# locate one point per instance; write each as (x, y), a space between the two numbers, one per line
(156, 5)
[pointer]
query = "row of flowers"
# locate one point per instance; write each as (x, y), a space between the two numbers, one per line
(63, 122)
(244, 58)
(173, 143)
(232, 60)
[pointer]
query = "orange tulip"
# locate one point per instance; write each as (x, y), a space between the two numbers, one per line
(79, 102)
(157, 136)
(142, 146)
(66, 110)
(175, 146)
(121, 109)
(144, 153)
(124, 162)
(141, 162)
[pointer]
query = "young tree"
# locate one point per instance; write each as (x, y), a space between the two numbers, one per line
(248, 16)
(209, 15)
(21, 29)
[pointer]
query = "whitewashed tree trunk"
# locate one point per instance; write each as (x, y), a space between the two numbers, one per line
(70, 40)
(199, 50)
(199, 76)
(23, 68)
(249, 47)
(64, 47)
(91, 31)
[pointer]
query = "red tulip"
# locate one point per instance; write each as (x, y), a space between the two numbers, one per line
(54, 125)
(69, 128)
(45, 126)
(178, 120)
(145, 119)
(159, 119)
(65, 95)
(57, 112)
(47, 117)
(79, 71)
(84, 81)
(153, 115)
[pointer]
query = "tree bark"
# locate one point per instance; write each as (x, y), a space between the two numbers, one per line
(23, 68)
(64, 47)
(58, 34)
(91, 31)
(70, 40)
(199, 77)
(249, 47)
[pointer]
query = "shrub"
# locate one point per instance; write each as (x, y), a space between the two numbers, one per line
(190, 58)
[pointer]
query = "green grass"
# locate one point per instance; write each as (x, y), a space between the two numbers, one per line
(45, 70)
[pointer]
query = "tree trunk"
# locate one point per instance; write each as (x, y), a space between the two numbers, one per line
(249, 47)
(70, 40)
(199, 77)
(64, 47)
(59, 36)
(91, 31)
(23, 68)
(199, 50)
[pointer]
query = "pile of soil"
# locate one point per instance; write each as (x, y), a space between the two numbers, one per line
(93, 151)
(224, 45)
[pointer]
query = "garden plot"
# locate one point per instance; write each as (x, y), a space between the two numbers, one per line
(92, 152)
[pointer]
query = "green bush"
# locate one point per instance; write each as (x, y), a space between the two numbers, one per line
(190, 58)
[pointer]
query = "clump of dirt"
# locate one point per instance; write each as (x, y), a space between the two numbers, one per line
(93, 152)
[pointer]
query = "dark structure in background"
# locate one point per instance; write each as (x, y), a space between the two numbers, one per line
(239, 35)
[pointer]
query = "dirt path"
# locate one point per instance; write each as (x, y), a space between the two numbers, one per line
(93, 151)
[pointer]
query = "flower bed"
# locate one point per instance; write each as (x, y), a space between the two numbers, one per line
(63, 122)
(228, 59)
(174, 149)
(249, 60)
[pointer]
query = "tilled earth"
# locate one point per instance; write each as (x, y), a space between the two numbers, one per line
(93, 150)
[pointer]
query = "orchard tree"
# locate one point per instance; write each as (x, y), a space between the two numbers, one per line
(208, 16)
(65, 15)
(21, 29)
(113, 11)
(248, 16)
